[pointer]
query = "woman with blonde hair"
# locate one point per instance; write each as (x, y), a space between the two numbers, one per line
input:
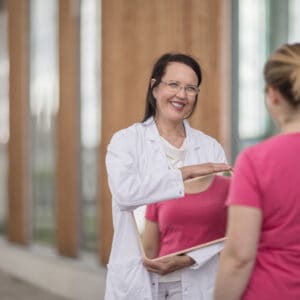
(261, 258)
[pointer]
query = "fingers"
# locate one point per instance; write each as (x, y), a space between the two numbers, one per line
(209, 168)
(156, 266)
(168, 264)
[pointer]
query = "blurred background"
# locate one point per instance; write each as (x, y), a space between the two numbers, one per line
(72, 72)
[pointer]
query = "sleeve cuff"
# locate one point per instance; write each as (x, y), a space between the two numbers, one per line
(203, 255)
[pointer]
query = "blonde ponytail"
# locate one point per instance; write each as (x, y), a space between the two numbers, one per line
(282, 71)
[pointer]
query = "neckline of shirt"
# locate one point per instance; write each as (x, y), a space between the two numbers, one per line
(175, 156)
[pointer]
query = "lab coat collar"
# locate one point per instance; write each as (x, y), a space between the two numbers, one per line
(153, 134)
(151, 129)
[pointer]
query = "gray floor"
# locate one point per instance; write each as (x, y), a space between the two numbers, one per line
(14, 289)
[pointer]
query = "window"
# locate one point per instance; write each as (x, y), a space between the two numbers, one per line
(294, 21)
(259, 27)
(90, 117)
(253, 123)
(43, 108)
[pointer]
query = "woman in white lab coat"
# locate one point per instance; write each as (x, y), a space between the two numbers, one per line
(139, 173)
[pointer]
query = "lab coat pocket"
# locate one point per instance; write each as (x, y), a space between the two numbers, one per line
(128, 281)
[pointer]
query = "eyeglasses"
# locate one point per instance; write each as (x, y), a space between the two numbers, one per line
(175, 87)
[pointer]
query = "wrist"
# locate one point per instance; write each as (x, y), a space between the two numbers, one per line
(185, 172)
(189, 261)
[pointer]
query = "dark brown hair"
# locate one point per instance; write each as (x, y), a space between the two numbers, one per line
(158, 72)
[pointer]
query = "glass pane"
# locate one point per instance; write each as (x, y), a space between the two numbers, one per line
(90, 117)
(294, 21)
(43, 109)
(253, 121)
(263, 26)
(4, 115)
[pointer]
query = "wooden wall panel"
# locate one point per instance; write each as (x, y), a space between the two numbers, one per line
(68, 132)
(134, 34)
(18, 220)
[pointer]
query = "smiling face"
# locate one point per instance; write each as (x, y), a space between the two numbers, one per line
(175, 105)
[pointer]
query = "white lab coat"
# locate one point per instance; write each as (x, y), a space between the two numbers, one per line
(138, 174)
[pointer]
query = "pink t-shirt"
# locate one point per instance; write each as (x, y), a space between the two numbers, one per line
(267, 176)
(192, 220)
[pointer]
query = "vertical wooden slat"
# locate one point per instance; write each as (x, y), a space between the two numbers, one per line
(134, 34)
(68, 131)
(18, 180)
(225, 75)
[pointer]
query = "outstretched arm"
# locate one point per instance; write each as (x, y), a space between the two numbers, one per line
(193, 171)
